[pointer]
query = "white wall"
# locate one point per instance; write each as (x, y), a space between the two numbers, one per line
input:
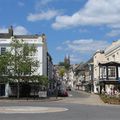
(97, 58)
(112, 53)
(41, 54)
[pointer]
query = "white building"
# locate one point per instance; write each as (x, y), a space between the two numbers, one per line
(112, 53)
(107, 68)
(38, 40)
(98, 57)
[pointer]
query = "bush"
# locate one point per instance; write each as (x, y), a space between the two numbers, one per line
(110, 99)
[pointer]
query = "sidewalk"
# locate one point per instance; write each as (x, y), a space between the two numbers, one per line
(92, 99)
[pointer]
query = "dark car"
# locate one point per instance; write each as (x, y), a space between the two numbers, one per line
(62, 93)
(68, 88)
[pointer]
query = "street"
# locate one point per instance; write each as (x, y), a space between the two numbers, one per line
(75, 110)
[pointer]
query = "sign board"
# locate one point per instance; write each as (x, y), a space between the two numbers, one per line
(42, 94)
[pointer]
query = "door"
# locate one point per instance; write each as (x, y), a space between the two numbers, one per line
(2, 89)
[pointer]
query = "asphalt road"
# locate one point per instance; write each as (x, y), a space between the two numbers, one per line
(74, 112)
(75, 94)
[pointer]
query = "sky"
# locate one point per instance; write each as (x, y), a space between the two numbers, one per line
(73, 27)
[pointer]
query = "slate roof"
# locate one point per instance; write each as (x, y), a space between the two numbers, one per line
(10, 34)
(5, 35)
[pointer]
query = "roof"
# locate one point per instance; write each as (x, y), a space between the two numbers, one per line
(10, 34)
(26, 36)
(5, 35)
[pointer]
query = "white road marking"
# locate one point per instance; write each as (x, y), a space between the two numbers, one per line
(30, 109)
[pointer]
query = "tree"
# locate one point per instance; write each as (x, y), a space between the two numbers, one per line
(18, 64)
(66, 65)
(61, 63)
(61, 72)
(4, 63)
(22, 62)
(64, 69)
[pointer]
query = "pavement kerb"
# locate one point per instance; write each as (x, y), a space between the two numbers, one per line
(32, 100)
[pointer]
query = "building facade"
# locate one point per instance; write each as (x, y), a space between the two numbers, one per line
(109, 77)
(98, 57)
(45, 62)
(106, 68)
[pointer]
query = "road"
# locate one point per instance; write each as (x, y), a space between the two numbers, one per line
(74, 110)
(79, 94)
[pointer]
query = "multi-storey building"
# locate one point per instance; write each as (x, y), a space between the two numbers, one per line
(45, 60)
(110, 70)
(107, 68)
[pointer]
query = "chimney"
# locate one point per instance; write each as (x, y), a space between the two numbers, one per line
(10, 31)
(43, 37)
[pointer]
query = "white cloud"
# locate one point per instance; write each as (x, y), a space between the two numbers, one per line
(3, 30)
(59, 48)
(42, 15)
(75, 59)
(41, 4)
(86, 45)
(18, 30)
(45, 2)
(95, 12)
(83, 31)
(21, 4)
(80, 50)
(114, 32)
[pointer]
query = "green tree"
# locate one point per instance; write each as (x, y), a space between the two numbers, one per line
(61, 63)
(4, 63)
(18, 64)
(22, 62)
(61, 72)
(66, 65)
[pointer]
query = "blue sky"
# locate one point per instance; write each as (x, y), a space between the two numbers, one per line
(73, 27)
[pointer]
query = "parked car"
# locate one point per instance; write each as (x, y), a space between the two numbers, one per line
(62, 93)
(68, 88)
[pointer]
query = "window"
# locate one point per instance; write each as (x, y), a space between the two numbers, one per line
(119, 72)
(111, 71)
(3, 49)
(103, 72)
